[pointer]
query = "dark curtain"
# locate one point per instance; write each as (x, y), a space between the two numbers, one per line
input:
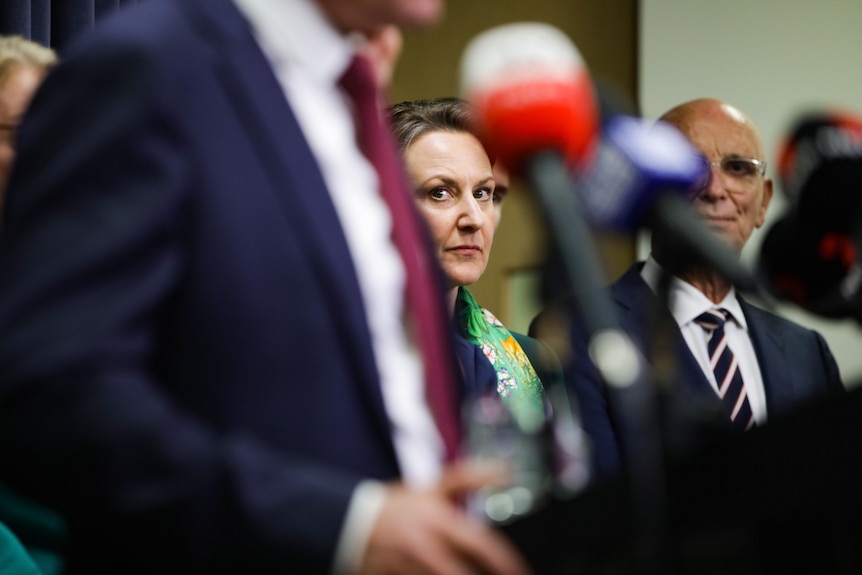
(55, 22)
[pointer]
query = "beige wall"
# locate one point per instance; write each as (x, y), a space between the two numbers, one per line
(604, 32)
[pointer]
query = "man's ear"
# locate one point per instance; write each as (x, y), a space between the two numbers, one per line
(764, 203)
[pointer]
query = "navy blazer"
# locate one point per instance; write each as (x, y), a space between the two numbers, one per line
(795, 362)
(185, 367)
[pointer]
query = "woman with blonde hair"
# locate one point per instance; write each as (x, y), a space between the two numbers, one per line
(23, 66)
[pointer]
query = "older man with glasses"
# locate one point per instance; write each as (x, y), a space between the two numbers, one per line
(734, 365)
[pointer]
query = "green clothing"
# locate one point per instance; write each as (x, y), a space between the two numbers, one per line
(517, 382)
(14, 559)
(38, 529)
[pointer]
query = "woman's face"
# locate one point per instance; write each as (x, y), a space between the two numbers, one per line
(15, 94)
(454, 186)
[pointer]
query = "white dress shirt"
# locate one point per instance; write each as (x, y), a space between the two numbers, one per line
(686, 304)
(308, 56)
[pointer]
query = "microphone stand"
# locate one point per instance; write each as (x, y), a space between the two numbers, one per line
(614, 355)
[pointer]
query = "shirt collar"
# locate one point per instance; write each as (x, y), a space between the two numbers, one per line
(296, 35)
(687, 302)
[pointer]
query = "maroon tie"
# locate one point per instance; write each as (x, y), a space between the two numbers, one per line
(423, 297)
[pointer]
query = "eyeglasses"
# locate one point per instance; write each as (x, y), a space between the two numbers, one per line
(738, 170)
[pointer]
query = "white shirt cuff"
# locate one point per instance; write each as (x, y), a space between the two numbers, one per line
(365, 505)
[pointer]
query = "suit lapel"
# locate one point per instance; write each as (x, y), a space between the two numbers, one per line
(297, 182)
(778, 382)
(479, 376)
(637, 303)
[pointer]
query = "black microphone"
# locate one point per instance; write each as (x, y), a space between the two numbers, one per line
(536, 112)
(811, 255)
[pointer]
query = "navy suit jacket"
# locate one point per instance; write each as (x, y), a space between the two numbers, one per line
(185, 366)
(795, 362)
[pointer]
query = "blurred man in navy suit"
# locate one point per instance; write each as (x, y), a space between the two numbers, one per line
(204, 363)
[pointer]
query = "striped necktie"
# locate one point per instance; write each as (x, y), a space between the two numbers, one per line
(423, 297)
(724, 365)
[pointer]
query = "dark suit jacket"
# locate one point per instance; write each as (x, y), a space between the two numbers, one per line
(795, 362)
(185, 362)
(542, 358)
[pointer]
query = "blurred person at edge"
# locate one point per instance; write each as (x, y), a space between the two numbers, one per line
(204, 364)
(23, 66)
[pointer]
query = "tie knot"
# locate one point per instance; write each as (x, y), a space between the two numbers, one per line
(712, 319)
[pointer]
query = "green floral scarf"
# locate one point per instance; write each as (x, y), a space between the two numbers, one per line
(517, 381)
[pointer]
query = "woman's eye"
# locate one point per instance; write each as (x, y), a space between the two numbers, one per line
(483, 194)
(439, 193)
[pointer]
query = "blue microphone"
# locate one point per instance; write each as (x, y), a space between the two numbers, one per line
(637, 161)
(645, 174)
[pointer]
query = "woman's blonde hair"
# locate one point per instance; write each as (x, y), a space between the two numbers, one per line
(17, 50)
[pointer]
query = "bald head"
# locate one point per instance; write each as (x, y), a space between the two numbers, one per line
(687, 117)
(734, 202)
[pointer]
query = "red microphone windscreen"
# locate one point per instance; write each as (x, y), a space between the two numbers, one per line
(531, 92)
